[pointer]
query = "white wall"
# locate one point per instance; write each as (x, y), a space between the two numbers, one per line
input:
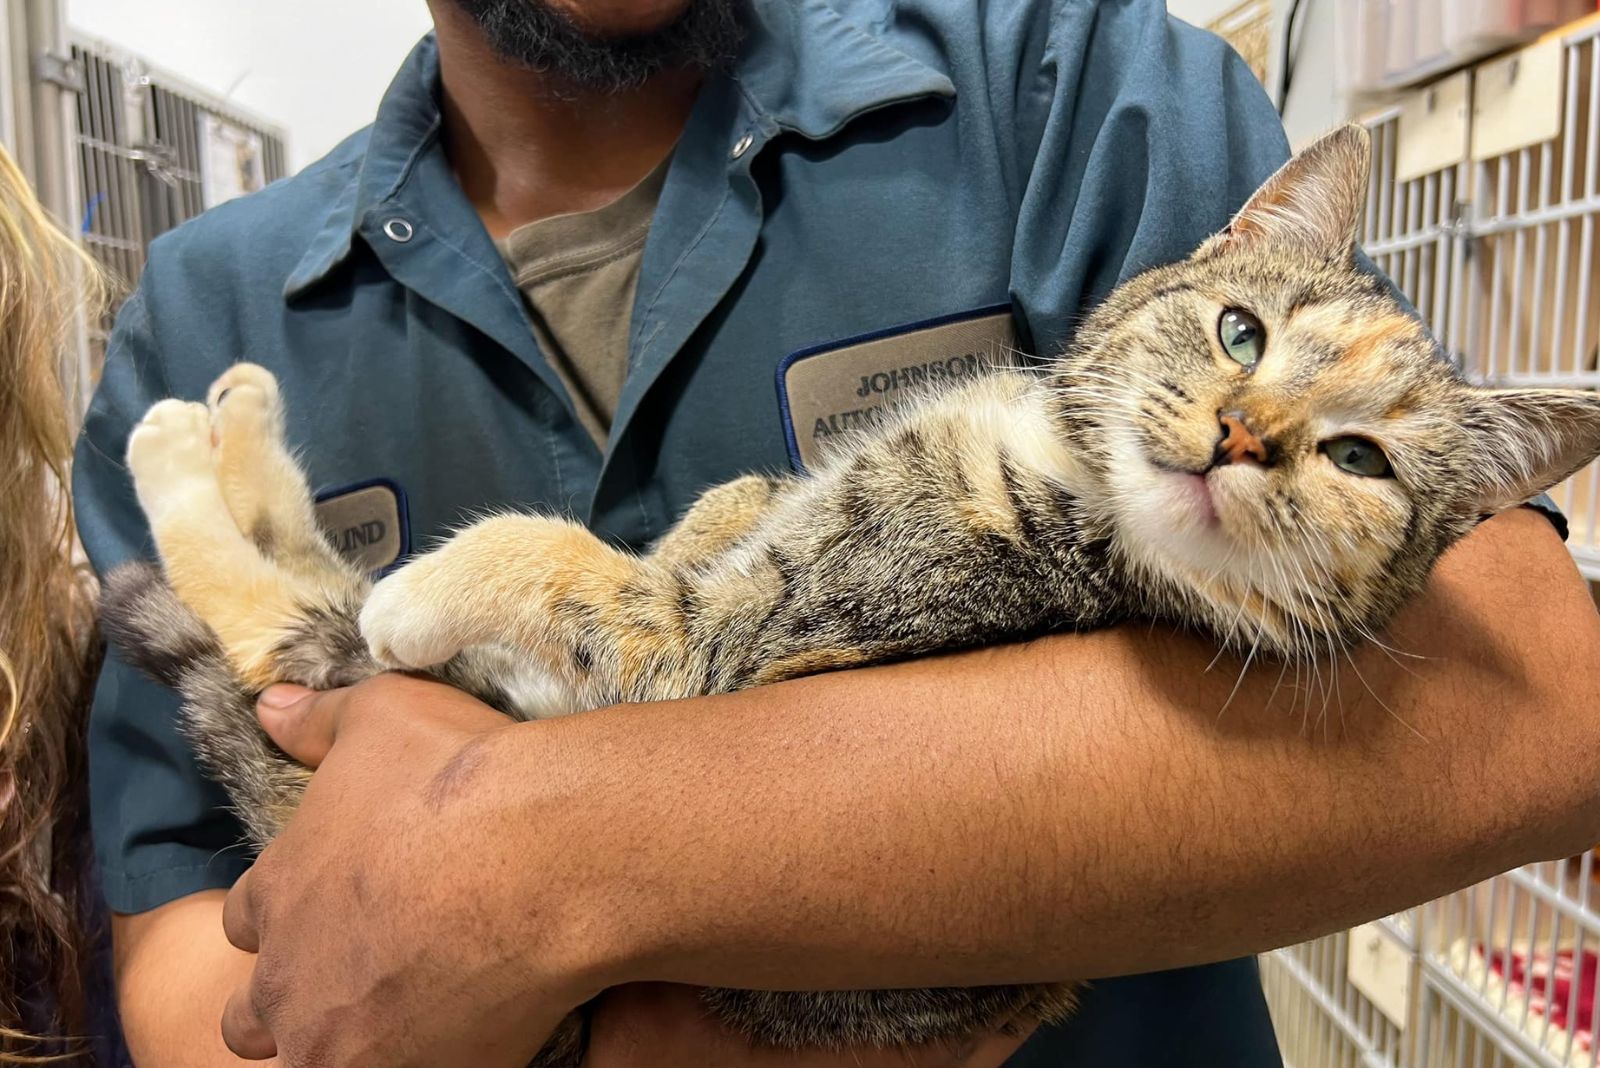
(1315, 106)
(315, 67)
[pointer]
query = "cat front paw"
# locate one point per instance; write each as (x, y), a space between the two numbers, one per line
(407, 627)
(169, 451)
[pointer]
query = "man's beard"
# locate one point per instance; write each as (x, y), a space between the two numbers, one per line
(537, 35)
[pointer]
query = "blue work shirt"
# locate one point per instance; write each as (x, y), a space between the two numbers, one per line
(866, 168)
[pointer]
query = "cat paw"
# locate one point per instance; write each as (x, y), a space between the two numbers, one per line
(249, 380)
(404, 627)
(171, 446)
(246, 421)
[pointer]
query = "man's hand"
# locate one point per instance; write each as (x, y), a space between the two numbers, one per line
(375, 945)
(659, 1025)
(363, 906)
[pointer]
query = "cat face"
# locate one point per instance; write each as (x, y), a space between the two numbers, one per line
(1278, 442)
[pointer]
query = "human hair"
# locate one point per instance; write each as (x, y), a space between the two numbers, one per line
(47, 644)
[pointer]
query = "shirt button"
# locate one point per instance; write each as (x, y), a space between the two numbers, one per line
(741, 146)
(398, 230)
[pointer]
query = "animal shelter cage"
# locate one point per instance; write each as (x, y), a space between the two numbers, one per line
(1484, 207)
(154, 151)
(1500, 974)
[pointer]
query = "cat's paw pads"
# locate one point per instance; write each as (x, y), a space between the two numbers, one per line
(247, 378)
(403, 628)
(171, 443)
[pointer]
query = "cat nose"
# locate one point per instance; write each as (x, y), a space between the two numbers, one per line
(1239, 443)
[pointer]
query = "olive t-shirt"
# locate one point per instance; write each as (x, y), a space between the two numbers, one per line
(578, 274)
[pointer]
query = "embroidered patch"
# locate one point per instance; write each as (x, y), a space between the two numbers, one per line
(826, 391)
(366, 523)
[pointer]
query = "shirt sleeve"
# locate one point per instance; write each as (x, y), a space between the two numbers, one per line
(1547, 507)
(1138, 136)
(161, 829)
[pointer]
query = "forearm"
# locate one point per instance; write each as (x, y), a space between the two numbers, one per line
(1084, 806)
(174, 972)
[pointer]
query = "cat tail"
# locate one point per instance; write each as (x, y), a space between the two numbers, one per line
(157, 633)
(153, 630)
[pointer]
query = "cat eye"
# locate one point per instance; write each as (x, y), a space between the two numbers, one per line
(1358, 456)
(1243, 337)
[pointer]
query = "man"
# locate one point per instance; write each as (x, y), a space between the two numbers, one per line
(563, 270)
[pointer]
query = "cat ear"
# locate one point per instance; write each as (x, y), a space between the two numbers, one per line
(1529, 440)
(1314, 203)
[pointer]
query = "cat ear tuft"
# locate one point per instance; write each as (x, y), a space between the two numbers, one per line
(1530, 440)
(1314, 203)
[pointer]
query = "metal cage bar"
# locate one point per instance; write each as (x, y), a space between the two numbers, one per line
(139, 159)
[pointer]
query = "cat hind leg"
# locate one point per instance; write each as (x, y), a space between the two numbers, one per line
(263, 484)
(214, 569)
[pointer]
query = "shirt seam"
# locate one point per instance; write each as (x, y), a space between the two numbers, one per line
(699, 238)
(646, 341)
(423, 144)
(556, 442)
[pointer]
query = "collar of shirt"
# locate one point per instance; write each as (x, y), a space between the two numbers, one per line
(804, 68)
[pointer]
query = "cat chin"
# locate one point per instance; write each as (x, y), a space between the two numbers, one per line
(1169, 519)
(1175, 525)
(1169, 533)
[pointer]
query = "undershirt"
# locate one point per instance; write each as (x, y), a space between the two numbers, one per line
(578, 274)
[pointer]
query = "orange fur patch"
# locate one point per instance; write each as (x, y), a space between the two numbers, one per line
(1363, 349)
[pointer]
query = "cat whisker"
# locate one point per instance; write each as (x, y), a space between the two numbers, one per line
(1305, 639)
(1233, 625)
(1321, 549)
(1381, 702)
(1243, 671)
(1276, 686)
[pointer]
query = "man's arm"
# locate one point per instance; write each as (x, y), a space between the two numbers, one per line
(174, 970)
(1129, 822)
(1080, 806)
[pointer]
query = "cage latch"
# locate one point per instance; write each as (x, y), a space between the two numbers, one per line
(60, 70)
(1460, 228)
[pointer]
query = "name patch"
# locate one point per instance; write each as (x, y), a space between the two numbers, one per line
(827, 391)
(366, 523)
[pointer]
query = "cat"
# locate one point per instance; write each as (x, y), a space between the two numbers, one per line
(1259, 441)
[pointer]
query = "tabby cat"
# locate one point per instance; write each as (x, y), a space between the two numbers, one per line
(1258, 441)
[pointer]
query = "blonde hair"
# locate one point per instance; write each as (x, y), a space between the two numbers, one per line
(46, 630)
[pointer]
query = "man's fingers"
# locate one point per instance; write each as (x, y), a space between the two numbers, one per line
(238, 916)
(243, 1030)
(303, 722)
